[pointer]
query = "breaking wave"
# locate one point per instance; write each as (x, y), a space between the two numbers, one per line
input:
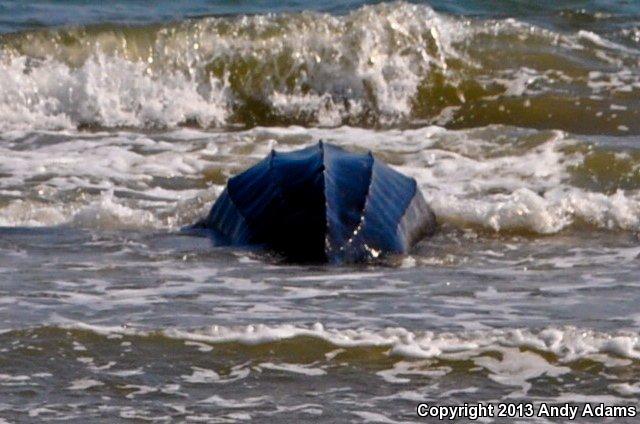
(500, 179)
(497, 178)
(378, 66)
(566, 344)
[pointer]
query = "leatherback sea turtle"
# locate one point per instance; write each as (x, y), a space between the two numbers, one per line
(321, 204)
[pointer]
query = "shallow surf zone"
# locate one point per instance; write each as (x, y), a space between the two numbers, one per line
(376, 66)
(520, 131)
(153, 325)
(498, 179)
(271, 373)
(528, 291)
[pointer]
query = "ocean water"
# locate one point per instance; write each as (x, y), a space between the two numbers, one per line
(121, 123)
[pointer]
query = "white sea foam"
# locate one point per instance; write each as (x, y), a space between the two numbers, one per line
(234, 404)
(169, 82)
(201, 376)
(293, 368)
(107, 90)
(470, 178)
(516, 368)
(567, 343)
(84, 384)
(626, 389)
(366, 66)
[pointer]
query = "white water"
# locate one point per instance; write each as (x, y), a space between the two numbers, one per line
(500, 179)
(112, 138)
(567, 344)
(368, 65)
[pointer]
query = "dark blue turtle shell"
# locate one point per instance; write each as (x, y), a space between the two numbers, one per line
(321, 204)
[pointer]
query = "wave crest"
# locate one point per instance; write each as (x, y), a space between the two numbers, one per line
(384, 65)
(566, 343)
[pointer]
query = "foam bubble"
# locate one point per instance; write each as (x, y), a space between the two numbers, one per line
(235, 404)
(567, 343)
(498, 178)
(384, 64)
(198, 72)
(105, 90)
(84, 384)
(293, 368)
